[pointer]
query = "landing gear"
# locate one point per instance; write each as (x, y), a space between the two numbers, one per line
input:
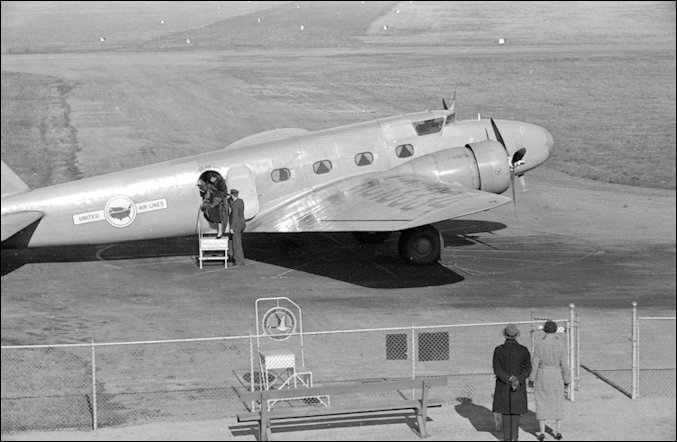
(371, 237)
(420, 245)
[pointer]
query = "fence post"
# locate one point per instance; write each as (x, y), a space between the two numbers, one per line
(572, 352)
(635, 353)
(413, 358)
(251, 365)
(413, 352)
(577, 329)
(94, 417)
(532, 330)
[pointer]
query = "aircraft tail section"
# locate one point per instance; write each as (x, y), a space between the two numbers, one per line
(16, 222)
(11, 183)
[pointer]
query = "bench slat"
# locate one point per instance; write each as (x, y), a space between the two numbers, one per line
(327, 411)
(326, 390)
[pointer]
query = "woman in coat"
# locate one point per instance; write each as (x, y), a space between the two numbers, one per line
(550, 376)
(215, 206)
(512, 366)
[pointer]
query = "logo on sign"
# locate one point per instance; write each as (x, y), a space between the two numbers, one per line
(120, 211)
(279, 323)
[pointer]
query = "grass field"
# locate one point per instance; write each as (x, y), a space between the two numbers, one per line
(601, 78)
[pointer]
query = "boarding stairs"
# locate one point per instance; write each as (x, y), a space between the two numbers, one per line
(210, 248)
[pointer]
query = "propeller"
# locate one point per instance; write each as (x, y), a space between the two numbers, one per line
(513, 161)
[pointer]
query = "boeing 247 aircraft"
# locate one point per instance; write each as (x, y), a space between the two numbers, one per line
(401, 173)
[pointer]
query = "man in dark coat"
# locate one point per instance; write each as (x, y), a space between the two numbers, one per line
(237, 226)
(512, 367)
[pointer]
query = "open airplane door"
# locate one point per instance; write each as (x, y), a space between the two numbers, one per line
(241, 178)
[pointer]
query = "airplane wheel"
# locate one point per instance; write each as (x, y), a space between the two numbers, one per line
(371, 237)
(420, 245)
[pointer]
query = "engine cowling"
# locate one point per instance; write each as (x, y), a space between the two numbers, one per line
(493, 166)
(482, 165)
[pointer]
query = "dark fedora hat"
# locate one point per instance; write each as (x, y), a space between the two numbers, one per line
(511, 331)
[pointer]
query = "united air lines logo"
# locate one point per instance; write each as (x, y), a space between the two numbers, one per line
(120, 211)
(279, 323)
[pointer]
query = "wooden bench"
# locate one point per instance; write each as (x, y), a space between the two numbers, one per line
(418, 406)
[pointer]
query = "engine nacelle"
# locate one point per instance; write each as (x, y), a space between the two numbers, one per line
(493, 166)
(482, 165)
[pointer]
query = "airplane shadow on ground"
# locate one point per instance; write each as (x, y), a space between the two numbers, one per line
(482, 418)
(333, 255)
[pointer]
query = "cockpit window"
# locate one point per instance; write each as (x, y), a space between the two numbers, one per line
(429, 126)
(450, 119)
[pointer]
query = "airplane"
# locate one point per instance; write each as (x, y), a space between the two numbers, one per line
(402, 173)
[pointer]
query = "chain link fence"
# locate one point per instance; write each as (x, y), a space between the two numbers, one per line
(86, 386)
(653, 344)
(640, 360)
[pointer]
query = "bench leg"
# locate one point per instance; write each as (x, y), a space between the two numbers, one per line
(264, 425)
(421, 417)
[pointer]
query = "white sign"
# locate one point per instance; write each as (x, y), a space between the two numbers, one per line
(120, 211)
(149, 206)
(89, 217)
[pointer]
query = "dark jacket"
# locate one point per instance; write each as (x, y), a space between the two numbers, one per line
(511, 359)
(237, 221)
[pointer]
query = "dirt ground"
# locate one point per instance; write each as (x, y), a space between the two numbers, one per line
(598, 245)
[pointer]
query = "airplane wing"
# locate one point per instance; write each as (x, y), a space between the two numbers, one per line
(15, 222)
(375, 202)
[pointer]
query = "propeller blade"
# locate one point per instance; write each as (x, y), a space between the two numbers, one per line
(523, 181)
(444, 103)
(512, 185)
(498, 135)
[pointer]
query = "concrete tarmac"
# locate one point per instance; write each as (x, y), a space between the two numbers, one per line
(597, 245)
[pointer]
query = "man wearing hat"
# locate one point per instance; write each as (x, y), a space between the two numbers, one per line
(237, 225)
(512, 367)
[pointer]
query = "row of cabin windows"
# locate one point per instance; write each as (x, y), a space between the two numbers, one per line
(325, 166)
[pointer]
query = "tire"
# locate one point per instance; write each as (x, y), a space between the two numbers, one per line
(371, 237)
(420, 245)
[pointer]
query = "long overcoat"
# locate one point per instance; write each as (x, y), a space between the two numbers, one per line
(511, 359)
(551, 372)
(237, 220)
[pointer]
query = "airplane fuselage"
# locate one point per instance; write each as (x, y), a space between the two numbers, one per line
(162, 200)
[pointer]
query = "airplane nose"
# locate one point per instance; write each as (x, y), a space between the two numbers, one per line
(549, 141)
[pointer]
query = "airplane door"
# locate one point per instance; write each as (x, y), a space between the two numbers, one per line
(241, 178)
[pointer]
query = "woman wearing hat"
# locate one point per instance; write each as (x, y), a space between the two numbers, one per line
(550, 376)
(512, 366)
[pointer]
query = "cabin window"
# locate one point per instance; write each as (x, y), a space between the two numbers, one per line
(404, 150)
(364, 158)
(427, 127)
(321, 167)
(282, 174)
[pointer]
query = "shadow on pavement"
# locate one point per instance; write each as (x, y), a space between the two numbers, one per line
(334, 255)
(482, 419)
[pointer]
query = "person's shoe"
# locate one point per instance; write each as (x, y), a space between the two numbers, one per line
(541, 436)
(559, 436)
